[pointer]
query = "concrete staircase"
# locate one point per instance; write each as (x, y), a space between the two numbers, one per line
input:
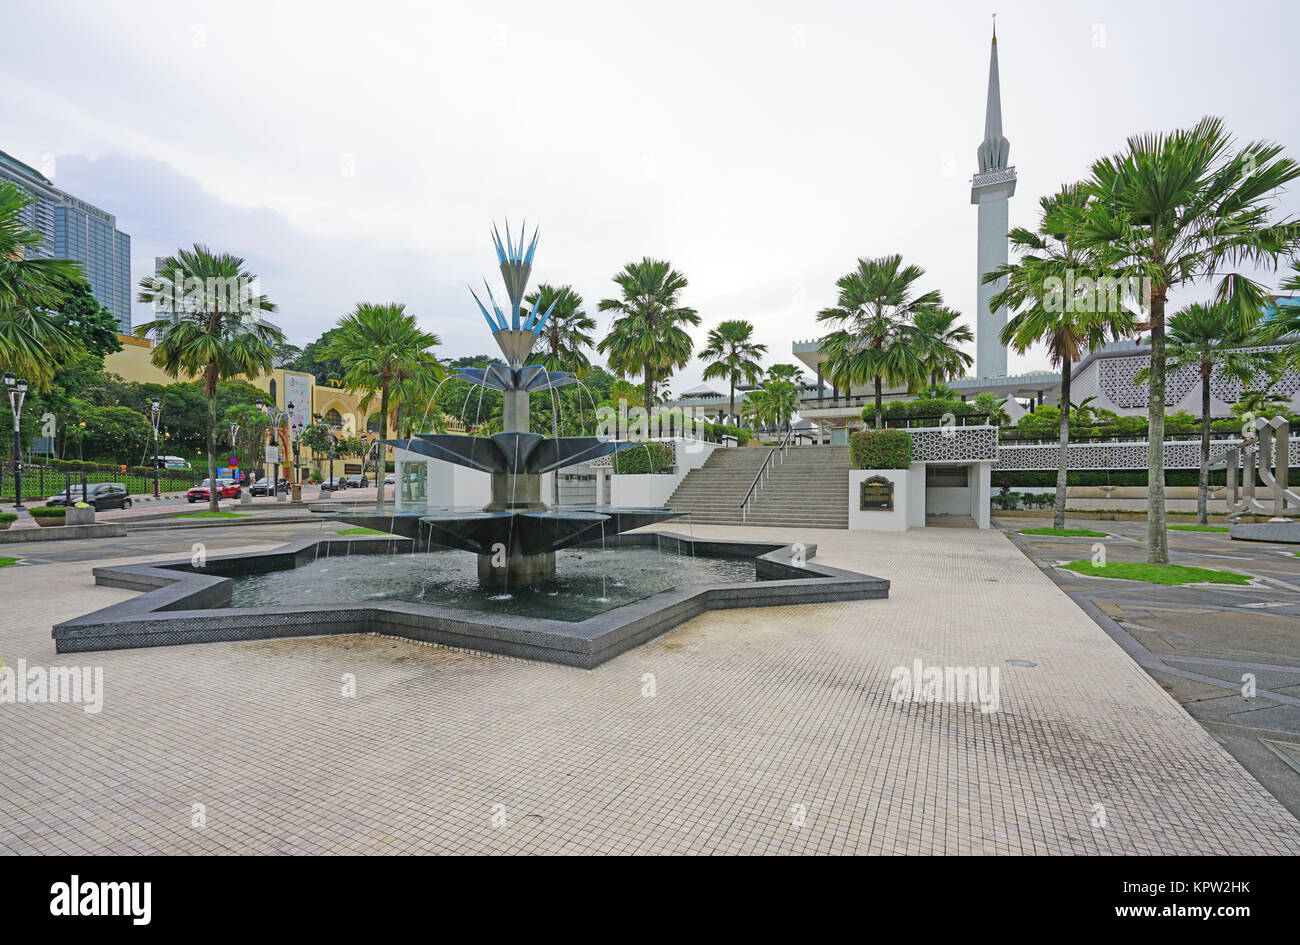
(809, 490)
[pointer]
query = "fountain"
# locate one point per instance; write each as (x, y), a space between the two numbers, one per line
(613, 592)
(516, 534)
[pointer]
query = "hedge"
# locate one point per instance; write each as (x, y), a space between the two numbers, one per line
(880, 449)
(1100, 477)
(642, 458)
(48, 511)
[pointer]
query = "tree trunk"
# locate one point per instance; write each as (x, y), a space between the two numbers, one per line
(1203, 482)
(214, 491)
(381, 466)
(733, 395)
(1157, 537)
(880, 406)
(1063, 462)
(649, 394)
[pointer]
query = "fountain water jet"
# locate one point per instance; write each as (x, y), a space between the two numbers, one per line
(516, 534)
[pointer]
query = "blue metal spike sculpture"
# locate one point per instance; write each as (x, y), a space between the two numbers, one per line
(516, 521)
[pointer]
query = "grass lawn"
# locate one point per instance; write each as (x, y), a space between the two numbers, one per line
(1198, 528)
(1156, 573)
(5, 562)
(213, 515)
(360, 531)
(1065, 532)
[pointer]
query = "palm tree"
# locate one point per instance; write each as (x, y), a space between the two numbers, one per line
(1285, 321)
(939, 336)
(564, 336)
(1206, 338)
(414, 384)
(775, 402)
(731, 352)
(32, 341)
(1069, 317)
(210, 327)
(1175, 208)
(647, 336)
(377, 346)
(877, 341)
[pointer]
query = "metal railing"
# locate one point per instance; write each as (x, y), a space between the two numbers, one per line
(764, 472)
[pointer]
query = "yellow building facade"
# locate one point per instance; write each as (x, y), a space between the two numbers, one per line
(332, 402)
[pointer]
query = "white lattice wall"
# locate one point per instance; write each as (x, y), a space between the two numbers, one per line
(1111, 381)
(1179, 454)
(954, 444)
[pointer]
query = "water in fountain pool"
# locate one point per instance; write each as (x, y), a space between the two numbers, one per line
(588, 581)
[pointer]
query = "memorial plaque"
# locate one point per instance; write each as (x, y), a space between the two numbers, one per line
(877, 494)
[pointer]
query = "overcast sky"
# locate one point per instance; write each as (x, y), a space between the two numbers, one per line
(360, 151)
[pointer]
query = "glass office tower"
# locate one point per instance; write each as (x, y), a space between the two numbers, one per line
(74, 229)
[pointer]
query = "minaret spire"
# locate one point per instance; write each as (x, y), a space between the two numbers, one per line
(990, 189)
(994, 149)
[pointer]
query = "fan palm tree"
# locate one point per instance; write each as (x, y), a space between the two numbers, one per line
(648, 336)
(1285, 321)
(1207, 338)
(1175, 208)
(775, 402)
(731, 352)
(1069, 321)
(210, 327)
(378, 344)
(939, 336)
(32, 341)
(414, 384)
(876, 340)
(564, 336)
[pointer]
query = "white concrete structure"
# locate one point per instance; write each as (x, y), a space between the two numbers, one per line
(923, 490)
(990, 190)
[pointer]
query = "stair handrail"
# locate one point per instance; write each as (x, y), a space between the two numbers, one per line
(764, 471)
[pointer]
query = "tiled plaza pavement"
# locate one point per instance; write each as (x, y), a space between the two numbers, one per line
(1200, 641)
(769, 731)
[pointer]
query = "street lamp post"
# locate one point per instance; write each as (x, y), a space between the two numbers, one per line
(276, 415)
(17, 392)
(155, 413)
(295, 438)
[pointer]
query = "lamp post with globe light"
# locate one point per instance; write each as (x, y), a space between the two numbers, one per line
(155, 413)
(17, 392)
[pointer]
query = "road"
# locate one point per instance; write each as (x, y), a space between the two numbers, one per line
(1202, 642)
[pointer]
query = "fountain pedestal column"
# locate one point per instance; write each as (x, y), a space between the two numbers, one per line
(507, 565)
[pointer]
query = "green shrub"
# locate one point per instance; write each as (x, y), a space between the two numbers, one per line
(741, 434)
(48, 511)
(8, 517)
(880, 449)
(642, 458)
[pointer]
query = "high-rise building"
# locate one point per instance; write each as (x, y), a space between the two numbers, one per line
(990, 190)
(74, 229)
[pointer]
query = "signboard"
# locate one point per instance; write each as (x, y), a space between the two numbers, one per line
(877, 494)
(272, 455)
(297, 391)
(352, 469)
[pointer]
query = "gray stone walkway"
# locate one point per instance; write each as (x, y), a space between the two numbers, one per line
(766, 731)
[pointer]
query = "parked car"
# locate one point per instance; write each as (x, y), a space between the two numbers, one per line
(334, 485)
(358, 481)
(263, 486)
(173, 462)
(229, 489)
(102, 495)
(390, 479)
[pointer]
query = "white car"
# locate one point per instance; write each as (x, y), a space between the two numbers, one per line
(390, 479)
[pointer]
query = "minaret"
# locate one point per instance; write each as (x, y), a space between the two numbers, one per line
(990, 188)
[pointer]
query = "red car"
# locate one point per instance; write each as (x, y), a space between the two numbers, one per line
(228, 487)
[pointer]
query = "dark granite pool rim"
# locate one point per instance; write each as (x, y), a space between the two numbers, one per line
(185, 604)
